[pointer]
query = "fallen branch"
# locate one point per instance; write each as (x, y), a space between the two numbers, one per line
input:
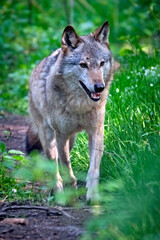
(48, 211)
(56, 212)
(66, 214)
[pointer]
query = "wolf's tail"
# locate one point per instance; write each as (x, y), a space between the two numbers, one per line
(32, 141)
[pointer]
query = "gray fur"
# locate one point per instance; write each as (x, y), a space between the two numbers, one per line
(60, 107)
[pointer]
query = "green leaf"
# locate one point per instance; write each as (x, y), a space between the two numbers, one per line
(9, 164)
(50, 199)
(18, 157)
(17, 152)
(2, 147)
(8, 133)
(7, 157)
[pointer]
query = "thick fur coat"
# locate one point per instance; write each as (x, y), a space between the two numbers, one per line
(68, 92)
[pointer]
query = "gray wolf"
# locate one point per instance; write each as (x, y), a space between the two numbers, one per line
(68, 92)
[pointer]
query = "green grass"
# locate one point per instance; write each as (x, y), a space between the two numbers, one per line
(132, 111)
(131, 202)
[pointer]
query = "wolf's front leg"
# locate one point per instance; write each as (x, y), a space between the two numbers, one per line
(52, 153)
(63, 146)
(96, 152)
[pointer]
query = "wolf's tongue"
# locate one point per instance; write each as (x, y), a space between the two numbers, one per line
(95, 95)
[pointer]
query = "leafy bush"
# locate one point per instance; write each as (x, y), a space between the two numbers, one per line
(31, 178)
(19, 175)
(9, 162)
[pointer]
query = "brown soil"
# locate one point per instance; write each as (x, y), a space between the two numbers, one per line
(17, 127)
(54, 223)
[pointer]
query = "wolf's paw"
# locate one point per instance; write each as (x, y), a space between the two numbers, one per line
(59, 184)
(92, 190)
(92, 195)
(59, 187)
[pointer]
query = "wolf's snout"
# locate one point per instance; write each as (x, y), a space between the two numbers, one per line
(98, 87)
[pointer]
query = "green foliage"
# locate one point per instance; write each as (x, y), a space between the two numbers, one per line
(18, 175)
(32, 178)
(9, 162)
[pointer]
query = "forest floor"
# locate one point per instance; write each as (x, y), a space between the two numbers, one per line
(28, 221)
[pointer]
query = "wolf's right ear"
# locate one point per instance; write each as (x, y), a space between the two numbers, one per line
(70, 38)
(101, 34)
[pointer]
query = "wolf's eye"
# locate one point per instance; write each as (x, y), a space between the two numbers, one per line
(83, 65)
(102, 63)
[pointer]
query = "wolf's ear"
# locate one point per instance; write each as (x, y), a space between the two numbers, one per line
(70, 38)
(101, 33)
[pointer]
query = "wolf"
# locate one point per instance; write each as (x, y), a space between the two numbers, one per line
(67, 94)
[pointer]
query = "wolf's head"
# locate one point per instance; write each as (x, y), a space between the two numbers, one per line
(87, 60)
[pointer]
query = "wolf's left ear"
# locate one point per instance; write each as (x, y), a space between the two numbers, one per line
(101, 34)
(70, 38)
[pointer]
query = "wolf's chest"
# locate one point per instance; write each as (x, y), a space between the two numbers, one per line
(68, 123)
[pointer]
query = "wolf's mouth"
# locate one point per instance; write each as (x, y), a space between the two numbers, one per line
(92, 95)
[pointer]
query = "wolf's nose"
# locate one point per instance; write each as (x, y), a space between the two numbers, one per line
(98, 87)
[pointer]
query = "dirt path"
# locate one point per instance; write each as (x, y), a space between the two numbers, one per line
(17, 127)
(53, 223)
